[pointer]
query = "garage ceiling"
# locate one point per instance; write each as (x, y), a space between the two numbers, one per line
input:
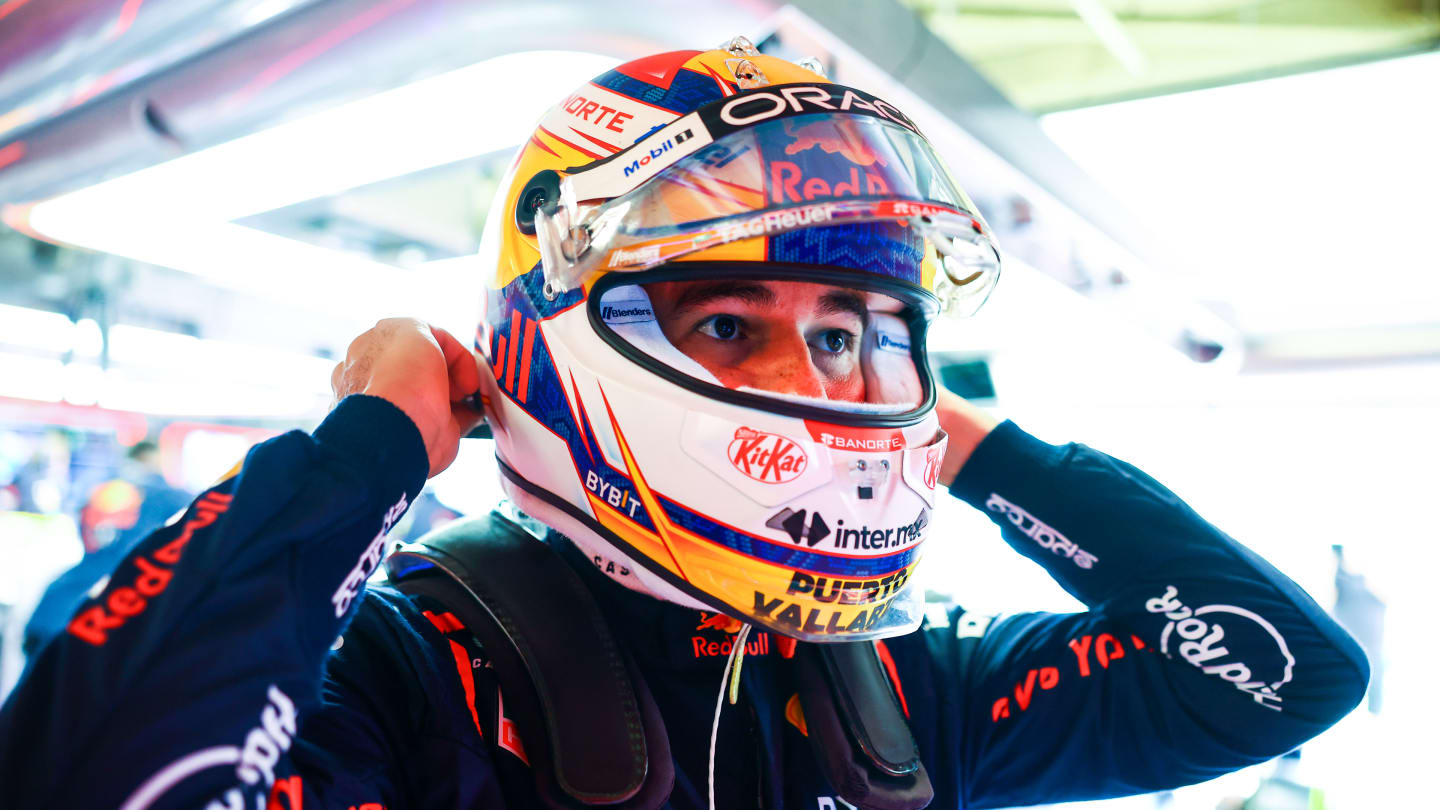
(1049, 55)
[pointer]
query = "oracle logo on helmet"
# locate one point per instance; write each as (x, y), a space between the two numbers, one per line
(753, 107)
(766, 457)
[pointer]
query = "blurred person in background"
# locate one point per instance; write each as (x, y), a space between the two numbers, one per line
(119, 513)
(42, 479)
(159, 499)
(703, 362)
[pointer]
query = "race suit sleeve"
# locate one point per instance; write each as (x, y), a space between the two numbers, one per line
(1196, 657)
(184, 680)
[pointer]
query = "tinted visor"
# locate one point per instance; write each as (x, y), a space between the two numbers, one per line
(805, 344)
(793, 161)
(772, 178)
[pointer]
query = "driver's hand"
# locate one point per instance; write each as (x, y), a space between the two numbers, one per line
(425, 372)
(967, 425)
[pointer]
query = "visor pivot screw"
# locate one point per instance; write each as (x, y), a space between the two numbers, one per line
(543, 191)
(747, 74)
(740, 46)
(576, 243)
(812, 64)
(550, 292)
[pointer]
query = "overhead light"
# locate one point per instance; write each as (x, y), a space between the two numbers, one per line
(442, 119)
(89, 339)
(1304, 202)
(139, 346)
(82, 382)
(179, 356)
(215, 398)
(43, 379)
(179, 214)
(158, 372)
(36, 329)
(25, 377)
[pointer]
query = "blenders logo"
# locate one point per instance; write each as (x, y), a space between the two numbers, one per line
(656, 152)
(766, 457)
(892, 343)
(620, 257)
(631, 313)
(1206, 634)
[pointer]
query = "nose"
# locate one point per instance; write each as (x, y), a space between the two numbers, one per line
(783, 366)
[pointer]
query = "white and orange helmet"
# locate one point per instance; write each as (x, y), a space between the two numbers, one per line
(646, 210)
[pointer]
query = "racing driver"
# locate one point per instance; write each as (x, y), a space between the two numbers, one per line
(702, 358)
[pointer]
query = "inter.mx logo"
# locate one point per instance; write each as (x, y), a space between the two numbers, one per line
(766, 457)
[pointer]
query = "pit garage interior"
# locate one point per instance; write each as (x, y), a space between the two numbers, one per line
(1217, 217)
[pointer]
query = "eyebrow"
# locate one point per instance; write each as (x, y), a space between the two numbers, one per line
(836, 302)
(754, 294)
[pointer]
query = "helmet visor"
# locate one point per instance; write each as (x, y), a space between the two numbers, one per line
(767, 179)
(803, 343)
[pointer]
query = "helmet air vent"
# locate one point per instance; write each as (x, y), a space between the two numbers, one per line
(740, 46)
(812, 64)
(747, 74)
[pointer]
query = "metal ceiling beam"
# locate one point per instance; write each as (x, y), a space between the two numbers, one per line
(315, 56)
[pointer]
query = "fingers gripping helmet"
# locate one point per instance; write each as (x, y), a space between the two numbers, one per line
(710, 280)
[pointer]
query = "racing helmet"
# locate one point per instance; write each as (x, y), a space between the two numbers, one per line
(710, 276)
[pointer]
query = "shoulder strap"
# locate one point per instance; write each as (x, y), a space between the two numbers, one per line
(590, 726)
(593, 732)
(856, 727)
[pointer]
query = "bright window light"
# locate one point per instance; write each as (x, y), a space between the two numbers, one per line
(25, 377)
(82, 383)
(169, 373)
(192, 359)
(464, 113)
(89, 339)
(208, 398)
(178, 214)
(1307, 201)
(36, 329)
(138, 346)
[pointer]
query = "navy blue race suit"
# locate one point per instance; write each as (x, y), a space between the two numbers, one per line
(235, 658)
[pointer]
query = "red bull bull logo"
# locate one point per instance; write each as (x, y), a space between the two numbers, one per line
(835, 138)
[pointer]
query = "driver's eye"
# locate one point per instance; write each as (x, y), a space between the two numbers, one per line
(720, 327)
(835, 341)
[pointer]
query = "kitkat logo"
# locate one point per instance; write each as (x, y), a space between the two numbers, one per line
(766, 457)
